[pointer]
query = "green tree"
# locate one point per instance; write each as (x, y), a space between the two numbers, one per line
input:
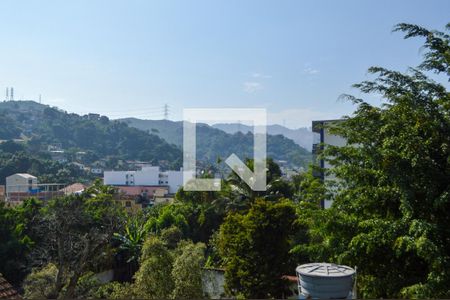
(165, 216)
(131, 240)
(390, 214)
(17, 238)
(255, 249)
(40, 283)
(154, 279)
(115, 290)
(74, 233)
(187, 271)
(171, 236)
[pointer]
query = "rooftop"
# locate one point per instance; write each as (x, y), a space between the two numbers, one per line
(6, 290)
(25, 175)
(324, 270)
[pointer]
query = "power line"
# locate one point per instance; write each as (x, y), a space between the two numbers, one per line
(148, 112)
(166, 111)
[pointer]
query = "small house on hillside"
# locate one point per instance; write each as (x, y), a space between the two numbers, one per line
(21, 183)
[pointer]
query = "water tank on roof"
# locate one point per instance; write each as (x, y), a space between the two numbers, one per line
(325, 281)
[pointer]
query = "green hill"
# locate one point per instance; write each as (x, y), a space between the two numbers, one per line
(213, 143)
(110, 143)
(40, 126)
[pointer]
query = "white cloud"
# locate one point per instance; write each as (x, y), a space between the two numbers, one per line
(252, 87)
(311, 71)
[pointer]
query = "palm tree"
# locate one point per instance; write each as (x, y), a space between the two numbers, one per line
(131, 241)
(276, 186)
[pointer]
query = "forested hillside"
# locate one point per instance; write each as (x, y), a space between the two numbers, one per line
(301, 136)
(213, 143)
(35, 127)
(45, 125)
(14, 158)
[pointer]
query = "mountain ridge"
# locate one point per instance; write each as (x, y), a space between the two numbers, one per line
(156, 141)
(279, 147)
(302, 136)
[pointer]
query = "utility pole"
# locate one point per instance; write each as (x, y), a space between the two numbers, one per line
(166, 111)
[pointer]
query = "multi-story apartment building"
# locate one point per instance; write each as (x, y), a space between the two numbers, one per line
(150, 176)
(322, 137)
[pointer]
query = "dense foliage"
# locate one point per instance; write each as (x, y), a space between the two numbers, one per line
(9, 129)
(14, 245)
(255, 249)
(15, 158)
(390, 214)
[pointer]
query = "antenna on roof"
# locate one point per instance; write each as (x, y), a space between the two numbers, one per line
(7, 94)
(12, 94)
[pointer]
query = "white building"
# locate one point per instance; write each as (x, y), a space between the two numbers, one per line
(147, 176)
(174, 179)
(96, 171)
(21, 183)
(323, 136)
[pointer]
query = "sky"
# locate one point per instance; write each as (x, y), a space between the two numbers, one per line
(130, 58)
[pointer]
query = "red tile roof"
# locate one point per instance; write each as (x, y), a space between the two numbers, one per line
(73, 188)
(290, 278)
(6, 290)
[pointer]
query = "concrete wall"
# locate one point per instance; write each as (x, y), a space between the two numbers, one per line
(334, 140)
(18, 183)
(323, 135)
(141, 189)
(115, 177)
(213, 283)
(175, 180)
(146, 176)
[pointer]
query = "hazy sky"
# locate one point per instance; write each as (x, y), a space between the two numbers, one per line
(129, 58)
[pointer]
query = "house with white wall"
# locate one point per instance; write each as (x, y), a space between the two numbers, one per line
(21, 183)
